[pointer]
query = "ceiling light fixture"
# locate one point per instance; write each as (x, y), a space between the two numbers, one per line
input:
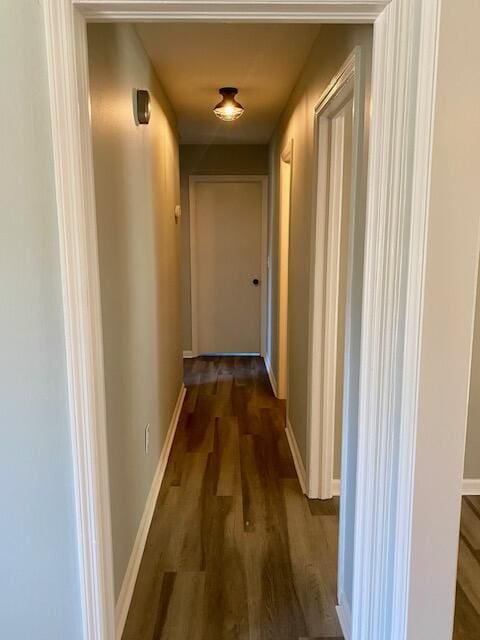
(228, 108)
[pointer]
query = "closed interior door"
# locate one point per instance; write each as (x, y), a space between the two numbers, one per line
(228, 237)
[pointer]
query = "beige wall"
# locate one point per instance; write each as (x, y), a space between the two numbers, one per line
(210, 160)
(472, 449)
(333, 45)
(137, 187)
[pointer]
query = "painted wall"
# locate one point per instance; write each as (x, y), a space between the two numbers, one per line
(472, 449)
(39, 594)
(137, 188)
(210, 160)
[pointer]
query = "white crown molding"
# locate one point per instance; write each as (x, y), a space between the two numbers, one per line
(130, 578)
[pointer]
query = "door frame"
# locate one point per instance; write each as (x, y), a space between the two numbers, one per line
(347, 83)
(405, 47)
(192, 181)
(286, 158)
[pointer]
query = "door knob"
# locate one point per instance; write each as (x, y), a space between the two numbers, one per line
(256, 282)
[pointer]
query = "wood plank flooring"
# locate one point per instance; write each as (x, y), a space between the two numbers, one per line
(235, 551)
(467, 611)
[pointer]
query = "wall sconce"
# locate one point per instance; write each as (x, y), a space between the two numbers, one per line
(142, 107)
(228, 108)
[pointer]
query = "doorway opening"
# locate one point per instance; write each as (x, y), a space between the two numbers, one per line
(230, 454)
(337, 265)
(341, 148)
(77, 189)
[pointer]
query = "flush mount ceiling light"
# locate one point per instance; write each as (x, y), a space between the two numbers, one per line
(228, 108)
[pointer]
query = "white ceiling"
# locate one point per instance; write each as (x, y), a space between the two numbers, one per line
(194, 60)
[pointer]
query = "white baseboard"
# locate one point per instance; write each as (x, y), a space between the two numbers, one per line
(189, 354)
(471, 487)
(336, 485)
(128, 585)
(271, 376)
(297, 458)
(345, 619)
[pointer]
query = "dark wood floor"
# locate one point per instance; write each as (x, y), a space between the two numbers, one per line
(235, 551)
(467, 612)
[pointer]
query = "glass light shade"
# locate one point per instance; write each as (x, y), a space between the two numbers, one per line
(228, 108)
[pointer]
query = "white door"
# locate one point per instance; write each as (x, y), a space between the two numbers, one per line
(227, 230)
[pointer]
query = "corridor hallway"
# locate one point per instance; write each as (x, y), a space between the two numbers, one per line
(235, 550)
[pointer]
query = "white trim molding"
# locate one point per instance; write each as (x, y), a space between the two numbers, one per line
(471, 487)
(283, 239)
(128, 584)
(297, 457)
(189, 354)
(66, 48)
(405, 49)
(245, 11)
(192, 181)
(271, 374)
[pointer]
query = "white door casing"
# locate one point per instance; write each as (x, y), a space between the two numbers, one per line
(285, 188)
(335, 195)
(336, 267)
(403, 91)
